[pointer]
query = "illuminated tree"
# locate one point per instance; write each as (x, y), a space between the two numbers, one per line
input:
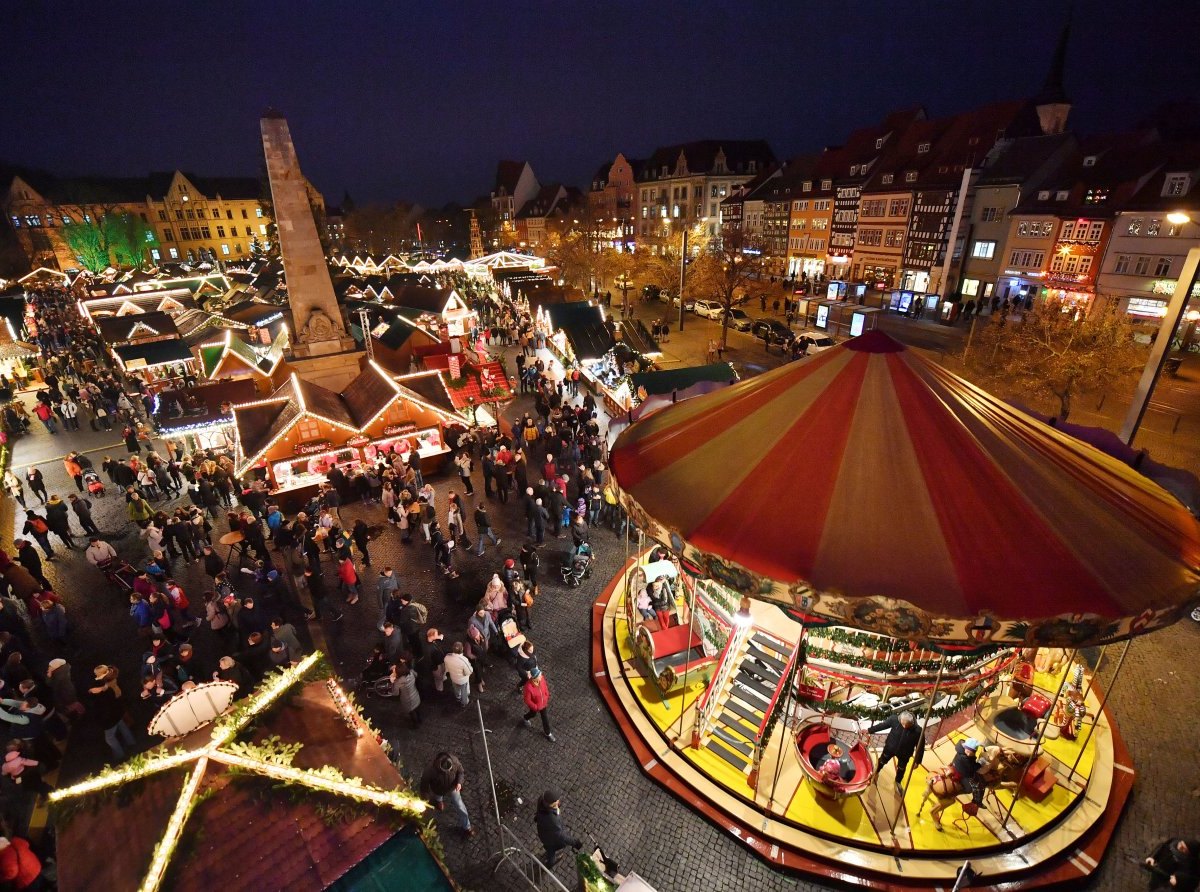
(1053, 353)
(101, 236)
(724, 268)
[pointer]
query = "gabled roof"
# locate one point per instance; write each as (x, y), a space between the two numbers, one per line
(211, 395)
(120, 329)
(508, 175)
(430, 389)
(1178, 158)
(701, 157)
(1117, 165)
(153, 352)
(369, 394)
(1017, 161)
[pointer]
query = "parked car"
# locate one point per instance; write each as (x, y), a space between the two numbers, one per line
(689, 304)
(709, 309)
(816, 342)
(772, 331)
(651, 292)
(738, 319)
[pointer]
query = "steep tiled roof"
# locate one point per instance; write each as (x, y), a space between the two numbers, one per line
(702, 156)
(508, 174)
(119, 329)
(1019, 159)
(368, 395)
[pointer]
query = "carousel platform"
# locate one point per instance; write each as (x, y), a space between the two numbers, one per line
(877, 839)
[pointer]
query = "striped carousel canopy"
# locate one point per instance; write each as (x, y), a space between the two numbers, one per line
(870, 486)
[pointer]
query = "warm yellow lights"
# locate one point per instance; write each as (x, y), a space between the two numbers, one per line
(1178, 218)
(327, 779)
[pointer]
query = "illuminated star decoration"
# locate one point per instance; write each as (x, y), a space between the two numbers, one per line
(218, 750)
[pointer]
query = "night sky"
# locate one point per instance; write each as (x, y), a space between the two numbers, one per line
(418, 100)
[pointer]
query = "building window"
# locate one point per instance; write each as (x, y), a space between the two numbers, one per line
(1089, 161)
(898, 207)
(970, 287)
(870, 237)
(991, 215)
(206, 232)
(1044, 195)
(879, 143)
(1095, 230)
(179, 215)
(910, 177)
(246, 216)
(887, 179)
(229, 214)
(923, 148)
(1163, 267)
(200, 213)
(162, 215)
(168, 236)
(308, 429)
(826, 184)
(807, 186)
(984, 250)
(220, 232)
(820, 223)
(1061, 195)
(894, 238)
(1095, 196)
(155, 255)
(174, 253)
(225, 249)
(1142, 266)
(1153, 226)
(1176, 184)
(1122, 265)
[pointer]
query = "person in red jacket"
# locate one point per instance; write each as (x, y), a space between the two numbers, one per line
(537, 698)
(349, 579)
(19, 867)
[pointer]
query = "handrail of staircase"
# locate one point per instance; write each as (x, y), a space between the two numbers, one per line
(783, 679)
(703, 712)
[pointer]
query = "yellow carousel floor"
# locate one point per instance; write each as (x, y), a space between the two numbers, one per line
(869, 831)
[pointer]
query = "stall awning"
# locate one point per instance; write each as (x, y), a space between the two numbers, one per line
(638, 337)
(672, 380)
(583, 324)
(136, 356)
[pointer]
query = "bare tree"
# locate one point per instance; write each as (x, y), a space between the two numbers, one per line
(1055, 351)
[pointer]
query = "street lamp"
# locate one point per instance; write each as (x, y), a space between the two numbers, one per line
(1161, 347)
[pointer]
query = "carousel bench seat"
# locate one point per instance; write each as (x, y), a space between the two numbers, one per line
(677, 647)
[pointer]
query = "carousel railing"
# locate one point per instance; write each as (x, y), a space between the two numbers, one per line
(784, 678)
(708, 702)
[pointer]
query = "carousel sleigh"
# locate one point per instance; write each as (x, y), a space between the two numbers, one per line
(834, 770)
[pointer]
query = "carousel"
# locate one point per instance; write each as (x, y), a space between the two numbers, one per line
(861, 621)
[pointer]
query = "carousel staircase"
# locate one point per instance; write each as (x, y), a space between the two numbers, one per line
(741, 706)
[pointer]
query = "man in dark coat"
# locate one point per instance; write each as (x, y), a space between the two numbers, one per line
(1175, 865)
(28, 558)
(905, 741)
(550, 830)
(443, 780)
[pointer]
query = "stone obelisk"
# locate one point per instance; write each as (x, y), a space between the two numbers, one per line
(322, 351)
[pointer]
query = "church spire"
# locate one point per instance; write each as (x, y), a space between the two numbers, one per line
(1051, 102)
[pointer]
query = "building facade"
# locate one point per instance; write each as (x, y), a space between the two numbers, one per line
(611, 202)
(515, 186)
(193, 218)
(684, 185)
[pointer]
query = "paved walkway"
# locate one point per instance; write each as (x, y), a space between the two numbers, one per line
(606, 797)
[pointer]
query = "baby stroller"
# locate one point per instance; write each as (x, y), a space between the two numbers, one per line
(579, 567)
(95, 486)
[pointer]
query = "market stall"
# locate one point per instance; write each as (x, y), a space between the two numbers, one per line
(201, 417)
(294, 437)
(941, 564)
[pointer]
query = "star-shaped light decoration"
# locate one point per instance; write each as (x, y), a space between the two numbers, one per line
(223, 749)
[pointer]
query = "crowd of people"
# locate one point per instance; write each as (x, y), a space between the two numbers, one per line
(548, 472)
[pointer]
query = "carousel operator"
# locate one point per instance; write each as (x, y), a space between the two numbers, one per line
(905, 741)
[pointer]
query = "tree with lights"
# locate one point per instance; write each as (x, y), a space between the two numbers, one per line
(103, 235)
(724, 268)
(1055, 352)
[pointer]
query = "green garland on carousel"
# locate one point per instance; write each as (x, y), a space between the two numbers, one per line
(883, 711)
(861, 662)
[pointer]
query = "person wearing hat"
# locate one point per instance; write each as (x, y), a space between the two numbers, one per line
(105, 703)
(62, 688)
(965, 766)
(443, 780)
(536, 694)
(550, 830)
(904, 741)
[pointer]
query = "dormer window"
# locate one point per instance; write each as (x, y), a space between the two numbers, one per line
(1044, 195)
(910, 176)
(1176, 184)
(826, 184)
(887, 179)
(879, 143)
(1089, 161)
(1061, 195)
(923, 148)
(853, 170)
(752, 166)
(807, 187)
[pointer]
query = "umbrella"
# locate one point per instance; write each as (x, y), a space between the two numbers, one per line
(193, 708)
(873, 488)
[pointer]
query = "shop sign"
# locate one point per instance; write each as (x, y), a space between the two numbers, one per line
(1163, 286)
(358, 440)
(394, 429)
(312, 447)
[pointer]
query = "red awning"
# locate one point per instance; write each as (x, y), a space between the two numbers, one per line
(871, 486)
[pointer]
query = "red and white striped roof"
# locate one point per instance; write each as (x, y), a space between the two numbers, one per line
(870, 479)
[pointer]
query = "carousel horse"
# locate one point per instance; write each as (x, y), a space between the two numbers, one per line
(1000, 769)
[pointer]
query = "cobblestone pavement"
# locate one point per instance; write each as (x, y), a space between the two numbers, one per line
(606, 798)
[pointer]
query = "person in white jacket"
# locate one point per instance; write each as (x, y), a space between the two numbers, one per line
(458, 670)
